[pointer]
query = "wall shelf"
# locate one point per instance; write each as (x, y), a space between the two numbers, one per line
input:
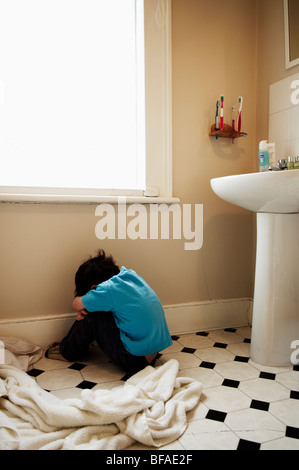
(226, 132)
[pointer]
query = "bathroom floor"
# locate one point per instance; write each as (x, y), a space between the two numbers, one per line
(243, 406)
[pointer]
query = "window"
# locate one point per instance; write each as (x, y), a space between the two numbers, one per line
(85, 107)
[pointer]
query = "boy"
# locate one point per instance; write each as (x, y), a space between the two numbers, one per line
(119, 310)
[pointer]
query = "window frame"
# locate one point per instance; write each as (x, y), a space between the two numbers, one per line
(158, 118)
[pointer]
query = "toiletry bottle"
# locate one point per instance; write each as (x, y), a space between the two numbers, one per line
(263, 156)
(290, 163)
(271, 150)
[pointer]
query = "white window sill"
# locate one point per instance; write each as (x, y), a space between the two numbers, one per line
(83, 199)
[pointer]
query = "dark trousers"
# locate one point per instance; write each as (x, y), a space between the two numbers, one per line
(100, 327)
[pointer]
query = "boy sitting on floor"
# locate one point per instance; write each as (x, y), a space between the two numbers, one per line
(119, 310)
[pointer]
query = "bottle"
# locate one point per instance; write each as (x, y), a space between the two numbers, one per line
(271, 150)
(263, 155)
(296, 166)
(290, 163)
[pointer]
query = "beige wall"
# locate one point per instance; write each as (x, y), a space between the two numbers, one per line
(214, 53)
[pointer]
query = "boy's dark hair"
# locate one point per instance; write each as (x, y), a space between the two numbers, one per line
(94, 271)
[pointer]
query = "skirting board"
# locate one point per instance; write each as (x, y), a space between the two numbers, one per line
(181, 318)
(209, 315)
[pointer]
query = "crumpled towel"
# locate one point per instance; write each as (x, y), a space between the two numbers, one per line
(149, 408)
(18, 353)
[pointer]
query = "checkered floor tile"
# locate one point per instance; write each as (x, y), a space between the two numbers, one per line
(244, 405)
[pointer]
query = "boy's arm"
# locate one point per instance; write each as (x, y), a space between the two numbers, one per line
(78, 304)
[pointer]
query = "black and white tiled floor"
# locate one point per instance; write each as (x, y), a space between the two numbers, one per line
(244, 405)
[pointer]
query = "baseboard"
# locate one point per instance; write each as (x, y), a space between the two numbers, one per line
(181, 318)
(43, 330)
(209, 315)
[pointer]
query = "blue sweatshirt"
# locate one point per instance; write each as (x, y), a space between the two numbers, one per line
(137, 310)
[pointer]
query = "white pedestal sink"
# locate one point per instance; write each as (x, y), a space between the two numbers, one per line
(274, 196)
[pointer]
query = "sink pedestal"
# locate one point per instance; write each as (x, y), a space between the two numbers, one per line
(274, 196)
(276, 292)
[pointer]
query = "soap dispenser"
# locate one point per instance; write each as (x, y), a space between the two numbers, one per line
(263, 155)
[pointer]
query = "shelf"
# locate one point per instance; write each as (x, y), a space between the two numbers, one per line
(226, 132)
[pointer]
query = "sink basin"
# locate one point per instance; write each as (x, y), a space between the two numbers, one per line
(269, 191)
(274, 196)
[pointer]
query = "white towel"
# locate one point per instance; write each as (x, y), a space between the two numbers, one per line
(149, 408)
(18, 353)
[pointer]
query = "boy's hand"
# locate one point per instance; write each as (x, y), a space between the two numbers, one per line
(82, 314)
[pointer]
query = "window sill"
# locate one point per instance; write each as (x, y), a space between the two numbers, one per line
(83, 199)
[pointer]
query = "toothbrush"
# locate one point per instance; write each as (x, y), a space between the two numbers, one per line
(240, 111)
(217, 116)
(233, 121)
(221, 113)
